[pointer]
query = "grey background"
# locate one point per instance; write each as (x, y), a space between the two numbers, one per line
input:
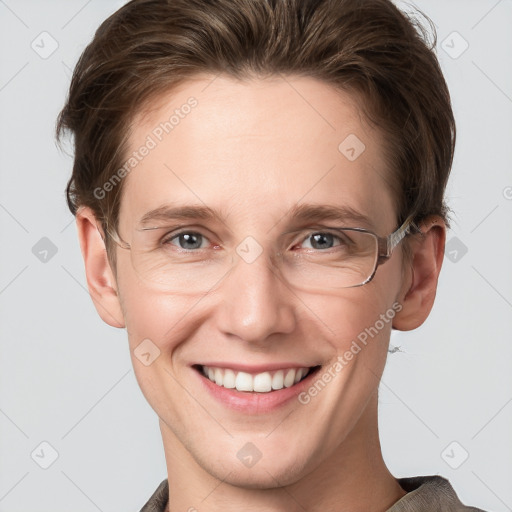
(66, 378)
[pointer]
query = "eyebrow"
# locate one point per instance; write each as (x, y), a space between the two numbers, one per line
(299, 213)
(312, 213)
(179, 212)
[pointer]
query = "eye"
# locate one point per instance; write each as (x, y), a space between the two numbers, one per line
(324, 240)
(187, 240)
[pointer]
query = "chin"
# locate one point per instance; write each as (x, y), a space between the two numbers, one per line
(267, 473)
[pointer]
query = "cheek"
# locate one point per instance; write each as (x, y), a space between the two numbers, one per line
(359, 322)
(151, 315)
(161, 318)
(347, 315)
(156, 324)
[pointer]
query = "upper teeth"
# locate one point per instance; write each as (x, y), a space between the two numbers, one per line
(261, 382)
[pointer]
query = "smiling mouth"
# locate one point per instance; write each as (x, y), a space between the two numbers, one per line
(264, 382)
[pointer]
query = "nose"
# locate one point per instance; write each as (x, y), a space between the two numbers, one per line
(255, 302)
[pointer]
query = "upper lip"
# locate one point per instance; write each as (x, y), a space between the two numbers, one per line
(255, 369)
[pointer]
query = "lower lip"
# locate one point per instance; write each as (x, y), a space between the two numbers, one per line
(252, 402)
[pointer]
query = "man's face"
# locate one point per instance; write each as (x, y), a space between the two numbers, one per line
(251, 152)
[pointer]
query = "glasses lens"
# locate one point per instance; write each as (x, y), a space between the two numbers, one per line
(350, 262)
(181, 264)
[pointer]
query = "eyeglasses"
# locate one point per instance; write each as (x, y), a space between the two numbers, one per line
(176, 260)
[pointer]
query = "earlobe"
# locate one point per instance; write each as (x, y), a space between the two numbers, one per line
(420, 285)
(100, 278)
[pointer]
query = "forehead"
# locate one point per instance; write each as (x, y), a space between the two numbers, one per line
(256, 146)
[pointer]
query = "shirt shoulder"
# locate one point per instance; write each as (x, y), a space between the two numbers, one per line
(429, 494)
(158, 500)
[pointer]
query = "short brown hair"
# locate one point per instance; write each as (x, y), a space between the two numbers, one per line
(366, 47)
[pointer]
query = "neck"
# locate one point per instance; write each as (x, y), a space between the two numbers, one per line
(353, 478)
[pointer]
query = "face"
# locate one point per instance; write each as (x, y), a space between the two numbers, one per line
(252, 152)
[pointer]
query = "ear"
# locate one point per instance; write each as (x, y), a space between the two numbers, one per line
(100, 278)
(420, 284)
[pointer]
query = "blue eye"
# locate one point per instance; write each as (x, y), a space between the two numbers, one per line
(323, 240)
(187, 240)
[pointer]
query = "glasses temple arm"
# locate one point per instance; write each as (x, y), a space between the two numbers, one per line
(397, 236)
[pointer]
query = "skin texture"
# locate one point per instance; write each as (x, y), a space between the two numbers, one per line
(252, 150)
